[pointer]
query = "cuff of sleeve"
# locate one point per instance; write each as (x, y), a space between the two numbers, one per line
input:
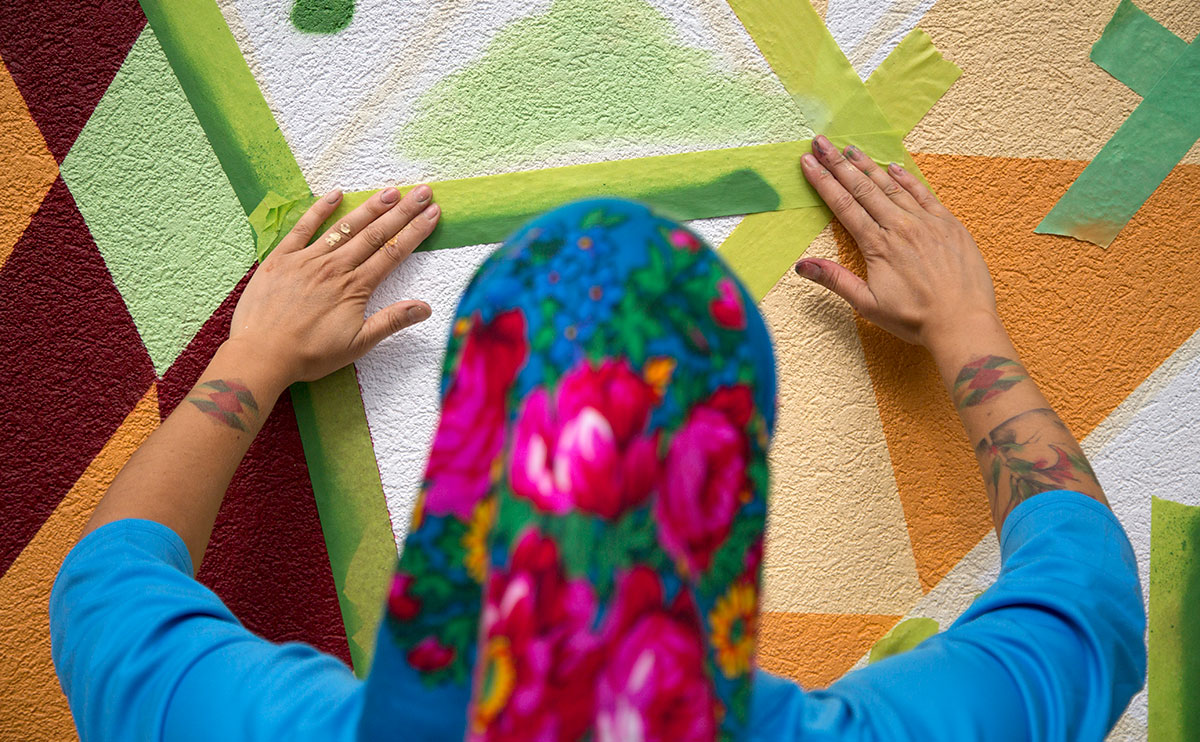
(1064, 510)
(150, 537)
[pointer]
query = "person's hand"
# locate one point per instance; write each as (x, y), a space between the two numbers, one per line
(302, 313)
(926, 279)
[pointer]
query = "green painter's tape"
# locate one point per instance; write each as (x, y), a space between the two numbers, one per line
(811, 66)
(911, 80)
(764, 246)
(1174, 653)
(226, 99)
(1154, 138)
(349, 495)
(694, 185)
(330, 415)
(273, 217)
(1136, 49)
(835, 102)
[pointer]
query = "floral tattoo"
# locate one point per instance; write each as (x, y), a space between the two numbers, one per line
(227, 401)
(986, 378)
(1031, 453)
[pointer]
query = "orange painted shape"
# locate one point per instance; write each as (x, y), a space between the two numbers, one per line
(1090, 326)
(28, 167)
(34, 707)
(816, 649)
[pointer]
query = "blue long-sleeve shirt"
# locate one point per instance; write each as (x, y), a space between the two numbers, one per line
(1052, 651)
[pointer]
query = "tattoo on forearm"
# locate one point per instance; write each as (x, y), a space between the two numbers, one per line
(1032, 453)
(986, 378)
(227, 401)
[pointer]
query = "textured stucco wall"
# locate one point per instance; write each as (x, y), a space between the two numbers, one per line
(1096, 328)
(115, 289)
(400, 52)
(117, 279)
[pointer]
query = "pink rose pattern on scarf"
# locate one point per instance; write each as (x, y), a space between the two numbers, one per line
(607, 403)
(471, 430)
(588, 447)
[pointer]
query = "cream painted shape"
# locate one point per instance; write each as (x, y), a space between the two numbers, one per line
(837, 541)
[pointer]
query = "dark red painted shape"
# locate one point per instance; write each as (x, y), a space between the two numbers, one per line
(63, 55)
(71, 368)
(267, 558)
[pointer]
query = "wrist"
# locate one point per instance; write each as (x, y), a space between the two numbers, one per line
(960, 339)
(256, 368)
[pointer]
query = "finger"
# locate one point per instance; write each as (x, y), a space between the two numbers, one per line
(879, 206)
(375, 235)
(345, 228)
(393, 253)
(840, 281)
(922, 195)
(882, 180)
(303, 232)
(848, 211)
(390, 320)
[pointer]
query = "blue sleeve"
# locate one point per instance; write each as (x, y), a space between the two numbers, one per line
(1053, 650)
(144, 651)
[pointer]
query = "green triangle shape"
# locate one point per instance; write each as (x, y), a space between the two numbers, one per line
(610, 74)
(164, 216)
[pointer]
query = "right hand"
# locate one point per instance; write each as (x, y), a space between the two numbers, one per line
(926, 279)
(301, 314)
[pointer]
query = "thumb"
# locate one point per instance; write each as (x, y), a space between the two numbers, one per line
(390, 320)
(840, 281)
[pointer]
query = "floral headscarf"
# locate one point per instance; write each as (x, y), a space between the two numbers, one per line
(583, 562)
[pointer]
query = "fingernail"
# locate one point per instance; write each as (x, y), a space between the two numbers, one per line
(418, 314)
(809, 161)
(895, 169)
(389, 195)
(333, 196)
(853, 152)
(431, 211)
(808, 270)
(821, 145)
(423, 193)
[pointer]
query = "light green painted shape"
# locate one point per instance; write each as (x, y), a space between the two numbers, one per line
(158, 204)
(610, 73)
(903, 637)
(1174, 621)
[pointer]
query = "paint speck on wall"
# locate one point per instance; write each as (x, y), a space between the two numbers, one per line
(322, 16)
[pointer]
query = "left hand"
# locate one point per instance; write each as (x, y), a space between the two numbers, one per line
(302, 313)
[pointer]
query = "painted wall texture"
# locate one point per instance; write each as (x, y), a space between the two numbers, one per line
(123, 249)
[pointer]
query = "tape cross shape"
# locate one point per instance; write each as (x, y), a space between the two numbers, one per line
(1151, 60)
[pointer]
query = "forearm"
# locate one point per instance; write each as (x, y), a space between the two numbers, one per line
(178, 477)
(1022, 446)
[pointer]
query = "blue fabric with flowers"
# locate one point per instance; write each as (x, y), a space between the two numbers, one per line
(584, 559)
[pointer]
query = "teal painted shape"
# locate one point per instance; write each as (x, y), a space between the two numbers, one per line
(1129, 168)
(322, 16)
(602, 73)
(162, 212)
(1135, 48)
